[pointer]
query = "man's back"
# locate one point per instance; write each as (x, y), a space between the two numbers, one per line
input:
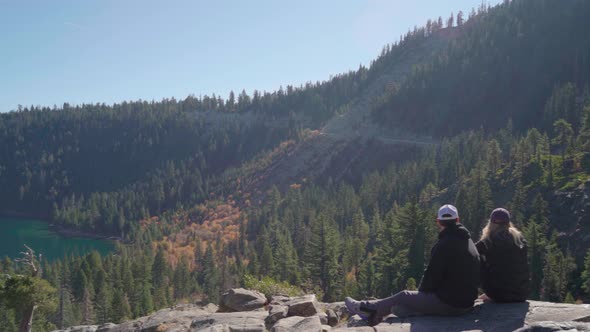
(453, 271)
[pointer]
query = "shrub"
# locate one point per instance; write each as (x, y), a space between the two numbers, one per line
(269, 287)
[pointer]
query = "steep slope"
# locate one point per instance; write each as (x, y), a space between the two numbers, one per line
(354, 129)
(504, 65)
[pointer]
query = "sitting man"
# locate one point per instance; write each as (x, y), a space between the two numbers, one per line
(448, 286)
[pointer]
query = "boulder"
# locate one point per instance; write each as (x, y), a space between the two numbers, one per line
(240, 299)
(210, 308)
(555, 326)
(136, 325)
(82, 328)
(338, 307)
(247, 321)
(354, 329)
(304, 306)
(297, 323)
(323, 318)
(333, 318)
(107, 327)
(326, 328)
(178, 318)
(356, 321)
(168, 319)
(280, 299)
(276, 313)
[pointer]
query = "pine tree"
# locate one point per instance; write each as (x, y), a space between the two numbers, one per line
(322, 255)
(253, 265)
(563, 136)
(160, 278)
(556, 271)
(142, 301)
(375, 228)
(146, 301)
(65, 310)
(367, 279)
(267, 262)
(549, 173)
(87, 307)
(355, 244)
(287, 266)
(586, 274)
(181, 279)
(480, 203)
(517, 205)
(390, 257)
(120, 305)
(211, 280)
(535, 234)
(103, 299)
(414, 234)
(460, 18)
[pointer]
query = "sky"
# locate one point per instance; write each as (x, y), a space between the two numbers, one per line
(109, 51)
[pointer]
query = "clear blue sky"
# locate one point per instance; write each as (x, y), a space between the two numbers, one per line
(75, 51)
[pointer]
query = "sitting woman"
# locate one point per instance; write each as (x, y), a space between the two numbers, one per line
(504, 265)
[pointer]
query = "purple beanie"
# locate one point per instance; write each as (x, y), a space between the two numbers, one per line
(500, 216)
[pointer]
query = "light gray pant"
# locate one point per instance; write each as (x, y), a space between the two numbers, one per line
(413, 303)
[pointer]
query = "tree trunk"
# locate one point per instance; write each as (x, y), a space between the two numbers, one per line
(26, 323)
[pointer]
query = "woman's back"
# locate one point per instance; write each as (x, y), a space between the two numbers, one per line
(504, 267)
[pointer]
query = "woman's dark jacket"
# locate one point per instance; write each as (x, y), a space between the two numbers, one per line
(504, 268)
(453, 271)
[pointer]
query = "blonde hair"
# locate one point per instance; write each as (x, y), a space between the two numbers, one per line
(492, 229)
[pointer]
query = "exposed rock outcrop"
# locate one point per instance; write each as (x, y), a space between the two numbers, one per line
(304, 306)
(298, 323)
(490, 317)
(240, 299)
(307, 314)
(246, 321)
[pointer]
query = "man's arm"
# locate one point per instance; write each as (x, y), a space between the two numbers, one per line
(435, 271)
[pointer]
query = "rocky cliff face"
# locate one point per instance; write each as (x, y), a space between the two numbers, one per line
(307, 314)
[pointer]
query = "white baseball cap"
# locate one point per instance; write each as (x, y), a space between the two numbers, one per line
(448, 212)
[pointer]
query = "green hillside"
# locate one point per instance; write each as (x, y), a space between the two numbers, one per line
(313, 188)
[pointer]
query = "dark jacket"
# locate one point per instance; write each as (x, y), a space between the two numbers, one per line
(504, 268)
(453, 271)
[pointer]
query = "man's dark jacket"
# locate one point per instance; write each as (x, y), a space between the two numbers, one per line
(504, 268)
(453, 271)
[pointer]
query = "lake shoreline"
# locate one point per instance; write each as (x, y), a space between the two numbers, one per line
(60, 229)
(53, 241)
(71, 232)
(22, 215)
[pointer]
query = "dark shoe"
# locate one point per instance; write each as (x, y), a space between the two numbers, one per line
(358, 308)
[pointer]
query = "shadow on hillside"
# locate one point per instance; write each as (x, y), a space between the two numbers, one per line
(487, 317)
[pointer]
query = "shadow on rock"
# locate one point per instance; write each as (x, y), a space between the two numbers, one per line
(487, 317)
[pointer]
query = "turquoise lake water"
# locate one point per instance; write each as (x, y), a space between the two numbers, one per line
(14, 233)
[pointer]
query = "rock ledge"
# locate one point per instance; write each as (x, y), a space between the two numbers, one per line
(279, 316)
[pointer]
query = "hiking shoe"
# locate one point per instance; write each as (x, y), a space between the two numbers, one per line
(358, 308)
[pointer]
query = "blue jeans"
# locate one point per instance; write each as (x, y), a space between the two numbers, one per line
(413, 303)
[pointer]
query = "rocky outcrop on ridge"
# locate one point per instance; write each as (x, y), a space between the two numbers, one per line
(305, 313)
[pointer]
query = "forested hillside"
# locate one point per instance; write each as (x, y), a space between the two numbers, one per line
(205, 195)
(101, 167)
(503, 65)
